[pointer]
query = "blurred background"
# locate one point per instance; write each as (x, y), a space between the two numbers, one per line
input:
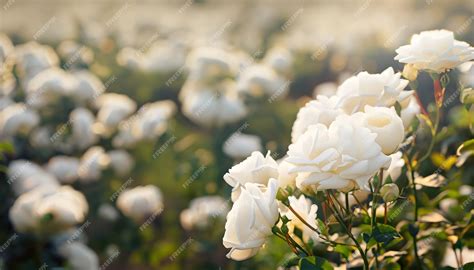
(152, 51)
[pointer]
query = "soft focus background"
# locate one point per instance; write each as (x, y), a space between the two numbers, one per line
(144, 50)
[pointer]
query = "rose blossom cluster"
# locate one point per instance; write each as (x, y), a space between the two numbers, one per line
(339, 142)
(63, 114)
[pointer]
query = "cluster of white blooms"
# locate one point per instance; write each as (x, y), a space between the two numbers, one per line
(202, 211)
(164, 56)
(218, 81)
(340, 141)
(64, 114)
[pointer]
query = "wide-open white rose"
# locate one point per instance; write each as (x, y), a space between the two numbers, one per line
(345, 155)
(386, 124)
(254, 169)
(306, 210)
(141, 202)
(285, 178)
(435, 51)
(250, 221)
(322, 110)
(239, 145)
(380, 89)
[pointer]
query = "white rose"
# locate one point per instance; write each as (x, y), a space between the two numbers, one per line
(381, 89)
(306, 210)
(239, 145)
(209, 63)
(345, 155)
(121, 162)
(17, 119)
(6, 49)
(322, 110)
(89, 86)
(254, 169)
(108, 212)
(396, 165)
(279, 59)
(83, 134)
(32, 58)
(66, 206)
(151, 120)
(130, 58)
(386, 124)
(74, 54)
(250, 221)
(25, 175)
(113, 108)
(92, 162)
(164, 56)
(202, 210)
(285, 178)
(79, 256)
(141, 202)
(435, 51)
(214, 106)
(259, 80)
(410, 109)
(64, 168)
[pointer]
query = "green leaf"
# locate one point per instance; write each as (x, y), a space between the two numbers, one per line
(345, 251)
(314, 263)
(322, 227)
(384, 233)
(468, 266)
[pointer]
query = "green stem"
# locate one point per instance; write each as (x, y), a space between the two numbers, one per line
(415, 241)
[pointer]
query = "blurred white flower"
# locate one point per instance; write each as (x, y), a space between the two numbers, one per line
(451, 258)
(327, 89)
(17, 119)
(254, 169)
(121, 162)
(126, 137)
(25, 175)
(208, 63)
(48, 210)
(341, 156)
(239, 146)
(306, 210)
(32, 58)
(152, 119)
(6, 50)
(48, 86)
(202, 211)
(381, 89)
(322, 110)
(250, 221)
(130, 58)
(64, 168)
(141, 202)
(89, 86)
(5, 102)
(280, 59)
(40, 137)
(467, 75)
(164, 57)
(75, 55)
(259, 80)
(108, 212)
(92, 162)
(410, 108)
(113, 108)
(396, 165)
(212, 107)
(386, 124)
(83, 134)
(435, 51)
(7, 83)
(79, 256)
